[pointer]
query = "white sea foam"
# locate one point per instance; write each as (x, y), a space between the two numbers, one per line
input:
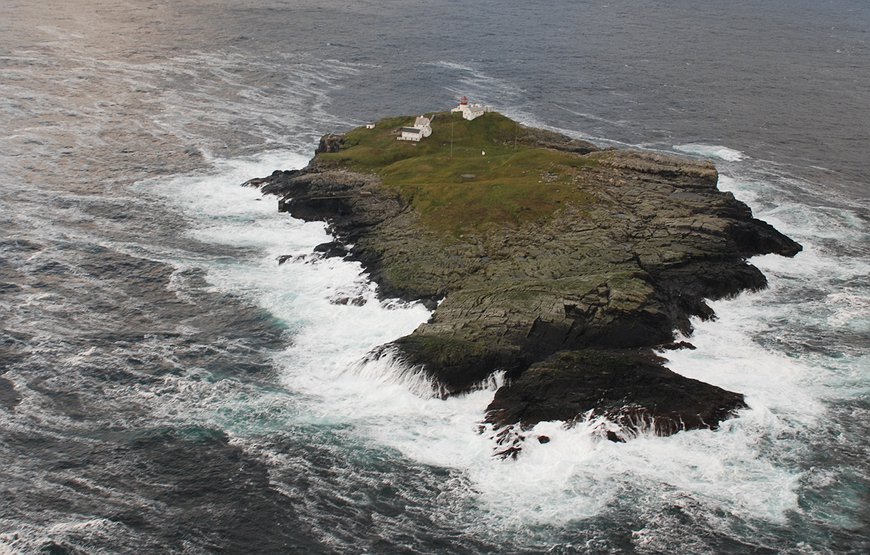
(733, 470)
(711, 151)
(75, 535)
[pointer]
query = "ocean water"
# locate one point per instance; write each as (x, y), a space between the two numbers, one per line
(167, 386)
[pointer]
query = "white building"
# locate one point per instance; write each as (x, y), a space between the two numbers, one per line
(470, 111)
(424, 124)
(422, 128)
(410, 134)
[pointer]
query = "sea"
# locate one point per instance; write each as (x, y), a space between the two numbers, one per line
(167, 387)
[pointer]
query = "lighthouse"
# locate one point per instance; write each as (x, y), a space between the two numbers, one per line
(470, 111)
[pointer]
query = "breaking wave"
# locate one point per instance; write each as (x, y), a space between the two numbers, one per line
(711, 151)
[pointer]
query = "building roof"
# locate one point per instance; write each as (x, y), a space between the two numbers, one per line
(411, 130)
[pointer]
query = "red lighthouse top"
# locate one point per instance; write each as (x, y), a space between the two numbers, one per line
(463, 101)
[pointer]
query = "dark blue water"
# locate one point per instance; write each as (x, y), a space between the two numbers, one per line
(166, 387)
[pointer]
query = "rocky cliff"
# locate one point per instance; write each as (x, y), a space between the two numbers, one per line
(570, 301)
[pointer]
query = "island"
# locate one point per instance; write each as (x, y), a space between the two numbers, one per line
(562, 267)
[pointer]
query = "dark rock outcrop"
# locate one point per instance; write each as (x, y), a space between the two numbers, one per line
(550, 139)
(569, 308)
(630, 388)
(332, 249)
(330, 143)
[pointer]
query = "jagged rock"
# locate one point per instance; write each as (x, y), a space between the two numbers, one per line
(332, 249)
(631, 388)
(550, 139)
(677, 345)
(569, 307)
(330, 143)
(345, 300)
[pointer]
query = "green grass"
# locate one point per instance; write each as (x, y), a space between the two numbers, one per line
(513, 183)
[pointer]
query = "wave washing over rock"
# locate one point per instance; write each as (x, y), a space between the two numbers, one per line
(560, 264)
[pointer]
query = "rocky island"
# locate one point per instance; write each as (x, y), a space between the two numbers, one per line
(563, 265)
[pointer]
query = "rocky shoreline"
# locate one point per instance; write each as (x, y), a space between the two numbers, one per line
(570, 307)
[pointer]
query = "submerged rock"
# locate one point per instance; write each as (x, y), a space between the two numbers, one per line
(332, 249)
(567, 286)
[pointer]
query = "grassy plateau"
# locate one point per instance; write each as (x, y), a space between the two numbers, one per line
(468, 175)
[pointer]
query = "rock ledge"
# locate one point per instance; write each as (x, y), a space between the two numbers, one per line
(570, 307)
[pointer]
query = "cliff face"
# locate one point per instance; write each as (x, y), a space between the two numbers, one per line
(570, 305)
